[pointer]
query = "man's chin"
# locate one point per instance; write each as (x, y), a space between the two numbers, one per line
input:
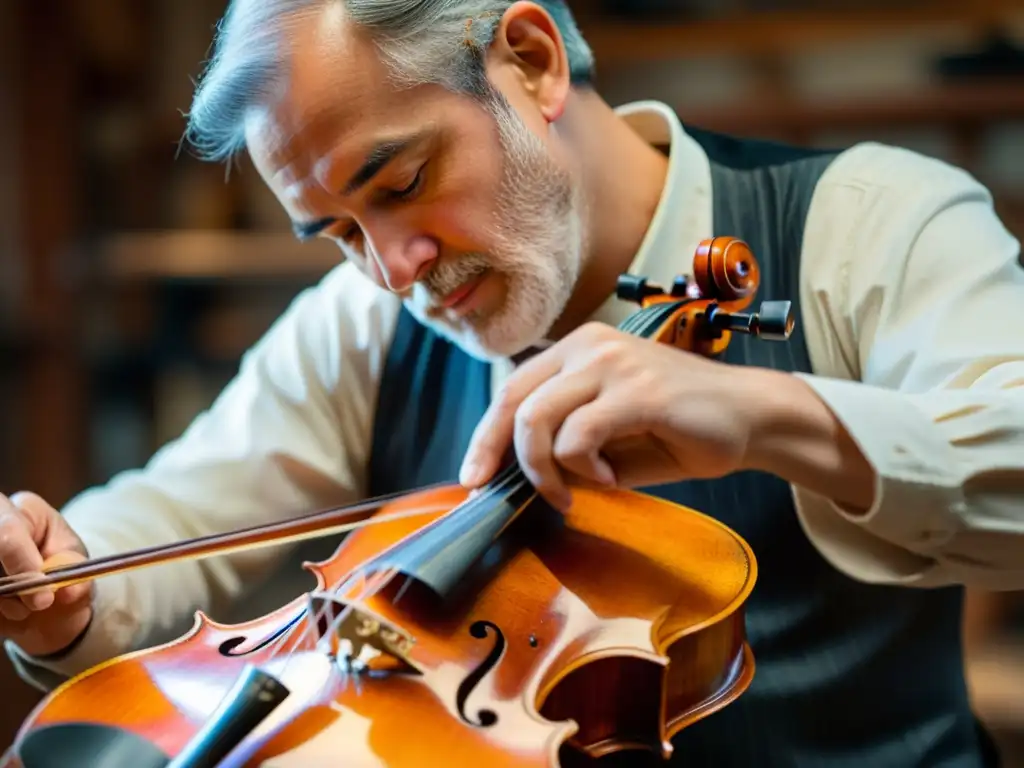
(477, 336)
(477, 345)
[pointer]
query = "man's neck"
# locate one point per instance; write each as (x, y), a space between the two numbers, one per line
(623, 177)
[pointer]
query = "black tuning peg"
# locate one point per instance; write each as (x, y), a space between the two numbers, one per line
(774, 322)
(636, 289)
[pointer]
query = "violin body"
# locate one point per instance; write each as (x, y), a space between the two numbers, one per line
(451, 628)
(618, 627)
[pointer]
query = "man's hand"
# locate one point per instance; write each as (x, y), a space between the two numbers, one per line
(34, 536)
(603, 407)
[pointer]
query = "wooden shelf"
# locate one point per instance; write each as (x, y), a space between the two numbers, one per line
(206, 255)
(975, 104)
(215, 255)
(783, 33)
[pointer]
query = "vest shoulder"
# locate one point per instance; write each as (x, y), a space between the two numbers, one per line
(747, 154)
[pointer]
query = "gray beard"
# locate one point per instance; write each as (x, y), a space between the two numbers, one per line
(539, 233)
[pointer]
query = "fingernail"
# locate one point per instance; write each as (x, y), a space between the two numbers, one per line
(469, 475)
(605, 475)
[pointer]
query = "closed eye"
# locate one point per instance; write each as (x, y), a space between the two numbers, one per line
(352, 230)
(398, 195)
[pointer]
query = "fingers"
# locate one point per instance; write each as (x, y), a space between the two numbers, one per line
(586, 430)
(536, 422)
(14, 610)
(582, 438)
(494, 434)
(19, 553)
(24, 526)
(38, 512)
(31, 530)
(561, 407)
(76, 592)
(637, 461)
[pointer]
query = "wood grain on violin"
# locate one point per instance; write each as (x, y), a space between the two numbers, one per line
(477, 629)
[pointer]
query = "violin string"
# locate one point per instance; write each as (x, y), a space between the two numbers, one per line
(370, 588)
(505, 486)
(377, 581)
(511, 480)
(498, 489)
(310, 627)
(313, 618)
(402, 590)
(508, 483)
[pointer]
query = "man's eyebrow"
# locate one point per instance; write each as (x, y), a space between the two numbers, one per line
(382, 153)
(310, 229)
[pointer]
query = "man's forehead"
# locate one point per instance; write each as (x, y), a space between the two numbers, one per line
(335, 95)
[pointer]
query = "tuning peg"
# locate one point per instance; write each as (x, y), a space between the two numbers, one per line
(636, 289)
(774, 322)
(680, 287)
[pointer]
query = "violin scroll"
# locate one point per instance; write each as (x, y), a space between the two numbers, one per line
(726, 277)
(725, 269)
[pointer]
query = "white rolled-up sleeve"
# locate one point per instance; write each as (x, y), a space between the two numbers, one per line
(913, 294)
(288, 435)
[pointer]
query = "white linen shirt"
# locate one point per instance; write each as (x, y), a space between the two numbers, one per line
(911, 294)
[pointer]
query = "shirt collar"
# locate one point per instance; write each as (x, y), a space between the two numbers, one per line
(684, 214)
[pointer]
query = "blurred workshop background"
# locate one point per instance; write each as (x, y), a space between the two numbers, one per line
(132, 278)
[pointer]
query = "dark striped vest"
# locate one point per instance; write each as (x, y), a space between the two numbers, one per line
(848, 674)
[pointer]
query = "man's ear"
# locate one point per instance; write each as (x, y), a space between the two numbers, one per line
(528, 54)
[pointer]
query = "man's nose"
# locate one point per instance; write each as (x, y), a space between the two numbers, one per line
(402, 260)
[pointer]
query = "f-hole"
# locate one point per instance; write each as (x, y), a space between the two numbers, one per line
(485, 718)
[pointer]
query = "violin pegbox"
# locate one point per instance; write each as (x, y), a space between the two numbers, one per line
(710, 303)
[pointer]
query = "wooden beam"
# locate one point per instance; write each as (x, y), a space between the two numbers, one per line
(213, 254)
(778, 33)
(942, 106)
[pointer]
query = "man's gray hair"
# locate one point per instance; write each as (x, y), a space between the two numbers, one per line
(422, 41)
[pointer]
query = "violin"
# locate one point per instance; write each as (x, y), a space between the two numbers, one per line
(449, 628)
